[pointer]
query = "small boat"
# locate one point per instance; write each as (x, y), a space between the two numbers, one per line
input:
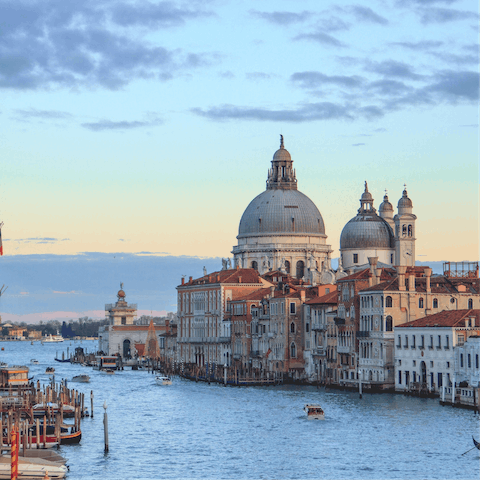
(63, 360)
(40, 409)
(81, 378)
(314, 412)
(50, 370)
(161, 380)
(109, 371)
(53, 339)
(34, 361)
(32, 468)
(68, 434)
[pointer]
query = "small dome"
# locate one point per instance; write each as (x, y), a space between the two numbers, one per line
(385, 206)
(281, 212)
(366, 195)
(367, 231)
(282, 155)
(405, 202)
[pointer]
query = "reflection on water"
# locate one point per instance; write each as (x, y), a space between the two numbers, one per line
(194, 430)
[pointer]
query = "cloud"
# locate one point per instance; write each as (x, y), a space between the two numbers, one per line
(366, 14)
(444, 15)
(73, 292)
(226, 74)
(45, 114)
(102, 125)
(392, 68)
(317, 79)
(333, 24)
(424, 2)
(357, 144)
(47, 43)
(322, 38)
(282, 18)
(456, 59)
(453, 86)
(304, 113)
(389, 87)
(258, 76)
(421, 45)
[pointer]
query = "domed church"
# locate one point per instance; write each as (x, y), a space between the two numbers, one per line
(282, 229)
(389, 238)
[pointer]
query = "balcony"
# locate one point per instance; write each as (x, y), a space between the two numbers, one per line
(255, 353)
(344, 349)
(223, 339)
(363, 334)
(339, 321)
(237, 356)
(319, 351)
(319, 327)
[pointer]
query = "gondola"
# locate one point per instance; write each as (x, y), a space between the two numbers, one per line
(477, 444)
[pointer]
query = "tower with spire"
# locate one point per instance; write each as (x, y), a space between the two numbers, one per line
(405, 232)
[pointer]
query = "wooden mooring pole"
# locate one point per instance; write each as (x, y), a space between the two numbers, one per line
(91, 403)
(105, 426)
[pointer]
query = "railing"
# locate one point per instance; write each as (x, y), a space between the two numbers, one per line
(129, 306)
(320, 351)
(363, 334)
(344, 348)
(255, 353)
(319, 326)
(223, 339)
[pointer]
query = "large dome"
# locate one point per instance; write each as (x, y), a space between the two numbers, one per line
(367, 231)
(281, 212)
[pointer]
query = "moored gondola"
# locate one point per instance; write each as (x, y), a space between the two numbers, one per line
(477, 444)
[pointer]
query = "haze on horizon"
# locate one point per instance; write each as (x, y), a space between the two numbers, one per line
(146, 128)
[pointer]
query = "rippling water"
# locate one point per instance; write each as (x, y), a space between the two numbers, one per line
(194, 430)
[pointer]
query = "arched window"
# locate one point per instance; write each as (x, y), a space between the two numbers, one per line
(287, 266)
(470, 303)
(404, 230)
(388, 301)
(420, 303)
(300, 269)
(435, 303)
(293, 350)
(410, 231)
(255, 265)
(389, 324)
(292, 327)
(381, 301)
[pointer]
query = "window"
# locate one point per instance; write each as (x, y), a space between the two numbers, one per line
(292, 328)
(448, 364)
(124, 320)
(431, 342)
(400, 377)
(461, 360)
(439, 342)
(420, 303)
(307, 327)
(300, 269)
(292, 308)
(410, 231)
(469, 361)
(255, 265)
(413, 341)
(447, 342)
(422, 340)
(388, 301)
(461, 339)
(470, 303)
(355, 258)
(287, 266)
(389, 324)
(391, 261)
(435, 303)
(431, 363)
(406, 341)
(399, 344)
(476, 360)
(293, 350)
(282, 308)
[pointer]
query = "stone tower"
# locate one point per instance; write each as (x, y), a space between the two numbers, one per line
(405, 232)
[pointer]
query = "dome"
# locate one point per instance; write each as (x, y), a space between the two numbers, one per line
(367, 231)
(282, 155)
(385, 205)
(272, 212)
(405, 202)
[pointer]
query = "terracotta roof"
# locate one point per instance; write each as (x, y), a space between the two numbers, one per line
(256, 295)
(364, 274)
(330, 298)
(438, 284)
(446, 318)
(248, 275)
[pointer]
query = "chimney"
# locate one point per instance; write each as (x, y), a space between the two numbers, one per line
(373, 265)
(218, 278)
(302, 296)
(272, 291)
(190, 279)
(238, 266)
(239, 279)
(209, 279)
(378, 271)
(183, 280)
(428, 274)
(370, 279)
(401, 277)
(411, 282)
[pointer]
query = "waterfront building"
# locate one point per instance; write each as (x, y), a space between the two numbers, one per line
(425, 350)
(389, 238)
(204, 328)
(467, 370)
(320, 333)
(121, 336)
(282, 229)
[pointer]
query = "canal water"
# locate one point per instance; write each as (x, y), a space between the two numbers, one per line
(198, 431)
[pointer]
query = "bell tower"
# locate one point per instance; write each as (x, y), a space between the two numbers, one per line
(405, 232)
(282, 175)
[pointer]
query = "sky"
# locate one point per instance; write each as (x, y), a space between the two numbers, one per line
(146, 128)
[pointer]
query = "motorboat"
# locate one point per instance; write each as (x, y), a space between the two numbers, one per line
(34, 361)
(40, 409)
(81, 378)
(163, 380)
(32, 468)
(50, 370)
(108, 371)
(314, 412)
(53, 339)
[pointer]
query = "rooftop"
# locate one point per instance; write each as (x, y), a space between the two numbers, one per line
(447, 318)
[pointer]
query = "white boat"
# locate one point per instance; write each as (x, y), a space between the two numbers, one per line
(314, 412)
(161, 380)
(32, 468)
(40, 409)
(81, 378)
(34, 361)
(109, 371)
(53, 339)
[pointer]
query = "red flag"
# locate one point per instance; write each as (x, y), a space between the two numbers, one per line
(269, 351)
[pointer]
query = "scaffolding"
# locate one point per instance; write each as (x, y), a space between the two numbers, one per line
(460, 269)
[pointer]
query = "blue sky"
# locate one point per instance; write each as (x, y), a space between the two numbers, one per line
(138, 126)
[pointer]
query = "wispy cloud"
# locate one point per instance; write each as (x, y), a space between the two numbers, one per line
(420, 45)
(103, 125)
(444, 15)
(357, 144)
(393, 68)
(42, 114)
(317, 79)
(72, 292)
(321, 38)
(282, 18)
(366, 14)
(258, 76)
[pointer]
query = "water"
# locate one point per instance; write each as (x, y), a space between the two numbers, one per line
(197, 431)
